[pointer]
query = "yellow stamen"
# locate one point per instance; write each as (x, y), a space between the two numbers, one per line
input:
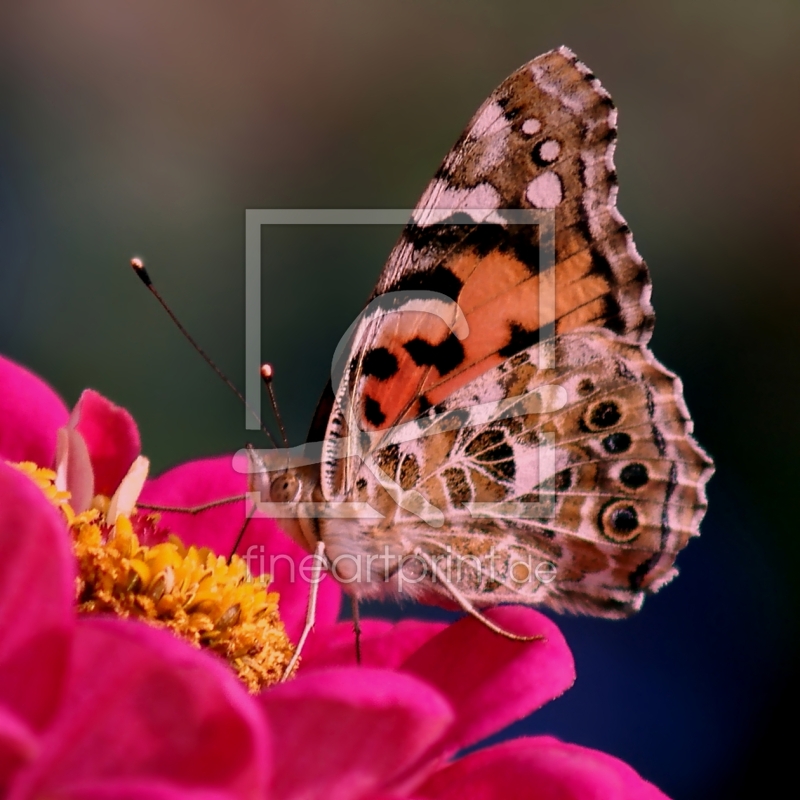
(199, 596)
(45, 480)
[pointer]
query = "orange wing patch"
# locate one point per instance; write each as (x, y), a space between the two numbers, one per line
(415, 361)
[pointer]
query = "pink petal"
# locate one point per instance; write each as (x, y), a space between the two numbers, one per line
(492, 681)
(348, 733)
(399, 796)
(37, 587)
(141, 705)
(383, 644)
(74, 468)
(30, 414)
(18, 745)
(134, 789)
(394, 796)
(540, 767)
(111, 436)
(264, 546)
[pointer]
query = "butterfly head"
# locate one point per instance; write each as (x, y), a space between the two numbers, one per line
(284, 487)
(279, 490)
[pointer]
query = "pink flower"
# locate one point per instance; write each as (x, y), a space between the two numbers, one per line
(468, 684)
(31, 417)
(102, 708)
(112, 708)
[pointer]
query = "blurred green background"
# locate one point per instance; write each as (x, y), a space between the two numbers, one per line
(147, 128)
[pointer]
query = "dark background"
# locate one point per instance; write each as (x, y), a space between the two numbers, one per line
(148, 128)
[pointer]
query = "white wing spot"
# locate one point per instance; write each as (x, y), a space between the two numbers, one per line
(549, 150)
(545, 191)
(490, 120)
(442, 200)
(531, 126)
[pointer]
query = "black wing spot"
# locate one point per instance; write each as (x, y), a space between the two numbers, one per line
(600, 266)
(519, 339)
(439, 279)
(634, 476)
(372, 412)
(458, 487)
(672, 482)
(459, 231)
(445, 356)
(636, 578)
(440, 238)
(585, 387)
(618, 521)
(503, 452)
(605, 414)
(502, 470)
(493, 453)
(457, 218)
(624, 519)
(388, 459)
(617, 443)
(484, 441)
(642, 276)
(659, 441)
(485, 239)
(612, 315)
(510, 112)
(563, 480)
(380, 363)
(522, 241)
(651, 403)
(409, 472)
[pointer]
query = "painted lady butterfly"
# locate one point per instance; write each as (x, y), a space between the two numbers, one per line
(499, 431)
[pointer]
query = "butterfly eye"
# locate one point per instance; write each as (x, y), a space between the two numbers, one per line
(284, 487)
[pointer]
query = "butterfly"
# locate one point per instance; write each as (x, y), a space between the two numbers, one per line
(497, 430)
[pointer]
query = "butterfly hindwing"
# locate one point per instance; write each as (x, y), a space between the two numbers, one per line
(620, 493)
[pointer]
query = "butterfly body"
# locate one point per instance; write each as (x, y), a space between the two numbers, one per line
(499, 431)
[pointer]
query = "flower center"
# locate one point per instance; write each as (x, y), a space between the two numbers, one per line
(198, 595)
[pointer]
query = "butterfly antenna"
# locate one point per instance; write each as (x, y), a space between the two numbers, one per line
(267, 374)
(139, 269)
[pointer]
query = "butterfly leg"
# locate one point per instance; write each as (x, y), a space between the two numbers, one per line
(465, 604)
(311, 609)
(256, 470)
(356, 626)
(206, 507)
(242, 531)
(223, 501)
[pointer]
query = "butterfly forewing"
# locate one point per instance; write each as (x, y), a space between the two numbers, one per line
(545, 141)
